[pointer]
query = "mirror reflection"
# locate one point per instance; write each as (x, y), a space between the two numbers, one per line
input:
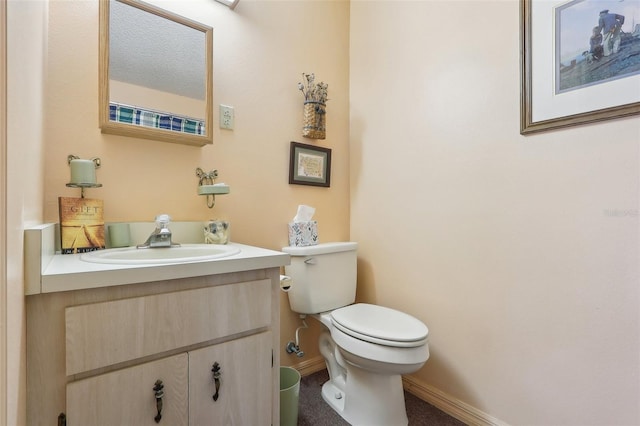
(155, 74)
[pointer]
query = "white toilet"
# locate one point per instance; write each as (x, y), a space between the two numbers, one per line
(366, 347)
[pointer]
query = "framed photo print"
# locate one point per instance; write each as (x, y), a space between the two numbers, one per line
(309, 165)
(579, 62)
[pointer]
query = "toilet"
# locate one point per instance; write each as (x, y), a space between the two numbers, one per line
(366, 347)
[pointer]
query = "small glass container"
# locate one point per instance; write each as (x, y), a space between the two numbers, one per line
(217, 232)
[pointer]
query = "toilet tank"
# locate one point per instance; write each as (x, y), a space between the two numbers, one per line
(323, 276)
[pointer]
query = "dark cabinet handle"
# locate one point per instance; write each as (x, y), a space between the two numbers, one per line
(216, 379)
(158, 390)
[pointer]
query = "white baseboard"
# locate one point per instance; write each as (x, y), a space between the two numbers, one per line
(443, 401)
(450, 405)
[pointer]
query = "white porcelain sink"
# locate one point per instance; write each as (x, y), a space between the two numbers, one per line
(182, 253)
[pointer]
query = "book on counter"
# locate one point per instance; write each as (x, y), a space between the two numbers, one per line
(81, 224)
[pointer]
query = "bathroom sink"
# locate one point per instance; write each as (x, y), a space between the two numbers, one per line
(178, 254)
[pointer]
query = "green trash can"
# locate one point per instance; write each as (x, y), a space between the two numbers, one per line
(289, 393)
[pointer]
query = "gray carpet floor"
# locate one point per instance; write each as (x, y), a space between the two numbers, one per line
(313, 411)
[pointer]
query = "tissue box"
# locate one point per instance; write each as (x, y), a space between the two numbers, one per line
(303, 233)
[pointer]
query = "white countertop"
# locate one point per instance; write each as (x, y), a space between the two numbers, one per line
(67, 272)
(47, 272)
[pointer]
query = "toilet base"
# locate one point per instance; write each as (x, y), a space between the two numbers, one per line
(333, 396)
(369, 399)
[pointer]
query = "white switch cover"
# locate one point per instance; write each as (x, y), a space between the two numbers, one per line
(226, 117)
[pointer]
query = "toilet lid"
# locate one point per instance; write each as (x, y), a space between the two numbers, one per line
(377, 324)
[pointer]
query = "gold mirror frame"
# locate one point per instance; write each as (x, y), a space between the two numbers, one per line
(132, 130)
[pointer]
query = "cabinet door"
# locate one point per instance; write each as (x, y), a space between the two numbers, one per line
(245, 383)
(127, 397)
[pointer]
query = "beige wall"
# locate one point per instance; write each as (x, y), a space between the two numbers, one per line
(3, 209)
(26, 68)
(519, 253)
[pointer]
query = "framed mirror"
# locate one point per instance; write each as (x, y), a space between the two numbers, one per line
(155, 74)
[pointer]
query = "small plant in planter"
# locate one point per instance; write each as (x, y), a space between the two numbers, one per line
(315, 98)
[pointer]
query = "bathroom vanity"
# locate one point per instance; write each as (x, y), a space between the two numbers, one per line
(176, 343)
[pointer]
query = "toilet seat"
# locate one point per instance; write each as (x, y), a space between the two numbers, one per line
(380, 325)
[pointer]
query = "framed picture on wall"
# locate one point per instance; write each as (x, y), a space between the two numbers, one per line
(309, 165)
(579, 62)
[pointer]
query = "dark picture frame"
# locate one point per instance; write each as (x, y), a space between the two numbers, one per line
(309, 165)
(542, 108)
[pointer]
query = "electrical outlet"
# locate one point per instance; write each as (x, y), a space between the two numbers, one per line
(226, 117)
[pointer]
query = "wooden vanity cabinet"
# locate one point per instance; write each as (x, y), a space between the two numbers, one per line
(96, 355)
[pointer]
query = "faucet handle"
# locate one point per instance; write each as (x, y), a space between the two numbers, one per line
(162, 220)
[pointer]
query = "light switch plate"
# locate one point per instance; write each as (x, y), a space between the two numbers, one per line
(226, 117)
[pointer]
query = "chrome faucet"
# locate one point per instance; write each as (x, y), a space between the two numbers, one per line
(161, 236)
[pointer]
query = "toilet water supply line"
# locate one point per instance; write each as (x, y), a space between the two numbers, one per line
(293, 347)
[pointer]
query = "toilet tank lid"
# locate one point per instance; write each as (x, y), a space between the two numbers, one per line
(323, 248)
